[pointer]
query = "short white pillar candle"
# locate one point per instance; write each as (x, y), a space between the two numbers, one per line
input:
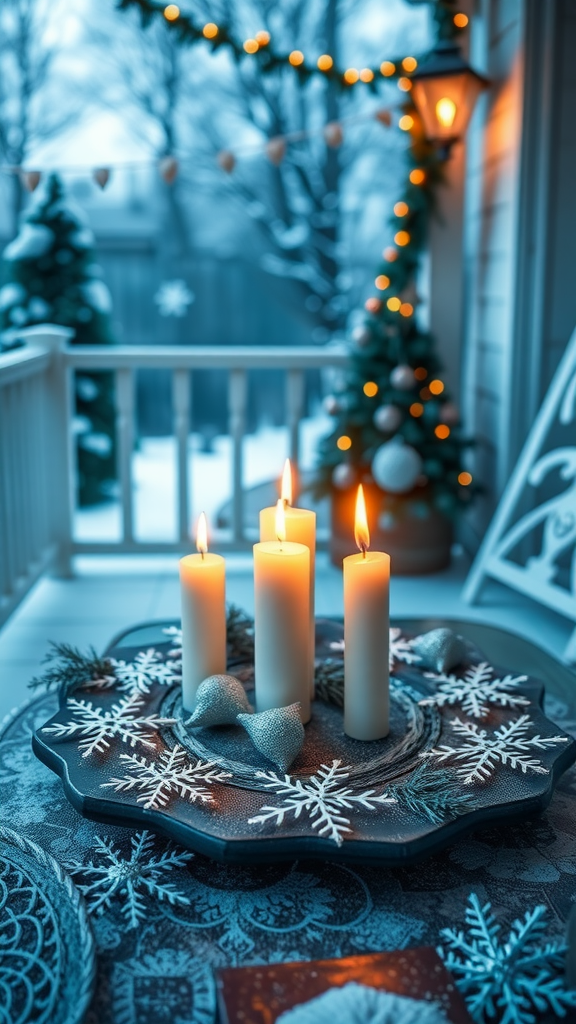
(203, 596)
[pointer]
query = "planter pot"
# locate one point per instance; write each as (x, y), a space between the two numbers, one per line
(416, 535)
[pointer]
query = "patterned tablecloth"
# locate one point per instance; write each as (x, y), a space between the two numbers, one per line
(160, 970)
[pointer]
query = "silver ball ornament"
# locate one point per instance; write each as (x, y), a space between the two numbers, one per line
(387, 418)
(343, 476)
(361, 336)
(402, 378)
(396, 467)
(450, 414)
(331, 405)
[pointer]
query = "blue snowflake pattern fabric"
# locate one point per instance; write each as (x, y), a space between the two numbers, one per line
(160, 970)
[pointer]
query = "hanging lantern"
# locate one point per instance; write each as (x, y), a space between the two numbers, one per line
(445, 90)
(30, 180)
(168, 168)
(276, 150)
(226, 160)
(101, 176)
(333, 134)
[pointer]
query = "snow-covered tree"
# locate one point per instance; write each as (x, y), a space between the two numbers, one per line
(51, 276)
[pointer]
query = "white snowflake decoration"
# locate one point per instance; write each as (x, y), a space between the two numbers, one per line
(171, 773)
(130, 877)
(476, 690)
(173, 298)
(480, 751)
(508, 980)
(96, 726)
(400, 648)
(147, 668)
(323, 798)
(175, 634)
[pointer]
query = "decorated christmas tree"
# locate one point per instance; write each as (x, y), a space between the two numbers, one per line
(396, 429)
(50, 276)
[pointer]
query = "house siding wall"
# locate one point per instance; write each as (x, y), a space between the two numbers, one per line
(491, 212)
(520, 231)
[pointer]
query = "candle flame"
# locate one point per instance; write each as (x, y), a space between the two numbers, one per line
(202, 534)
(280, 521)
(361, 531)
(286, 491)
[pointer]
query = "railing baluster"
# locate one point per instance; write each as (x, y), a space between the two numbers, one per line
(294, 412)
(125, 441)
(237, 390)
(181, 413)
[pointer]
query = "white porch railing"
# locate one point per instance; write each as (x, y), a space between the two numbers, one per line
(37, 467)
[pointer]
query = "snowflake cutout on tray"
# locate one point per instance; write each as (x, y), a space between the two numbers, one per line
(173, 772)
(513, 981)
(96, 726)
(129, 877)
(323, 798)
(147, 668)
(400, 648)
(476, 690)
(175, 634)
(480, 751)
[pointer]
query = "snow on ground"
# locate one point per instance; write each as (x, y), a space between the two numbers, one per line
(154, 480)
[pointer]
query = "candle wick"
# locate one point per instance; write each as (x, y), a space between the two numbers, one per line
(202, 553)
(286, 502)
(363, 548)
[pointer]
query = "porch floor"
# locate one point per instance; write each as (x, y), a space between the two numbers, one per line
(108, 594)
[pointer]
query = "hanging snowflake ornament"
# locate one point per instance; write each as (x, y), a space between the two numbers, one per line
(480, 751)
(147, 668)
(95, 727)
(172, 772)
(512, 981)
(476, 690)
(323, 798)
(129, 878)
(173, 298)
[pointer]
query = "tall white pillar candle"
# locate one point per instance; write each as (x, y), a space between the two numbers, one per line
(366, 636)
(203, 597)
(282, 622)
(301, 529)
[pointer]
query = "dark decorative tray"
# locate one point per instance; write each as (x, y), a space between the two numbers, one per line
(478, 750)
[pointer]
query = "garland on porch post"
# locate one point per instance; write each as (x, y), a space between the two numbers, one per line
(395, 424)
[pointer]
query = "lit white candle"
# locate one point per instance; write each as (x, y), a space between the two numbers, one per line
(282, 621)
(300, 528)
(203, 596)
(366, 635)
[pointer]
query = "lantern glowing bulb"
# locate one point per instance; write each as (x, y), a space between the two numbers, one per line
(446, 112)
(286, 489)
(280, 521)
(361, 531)
(202, 534)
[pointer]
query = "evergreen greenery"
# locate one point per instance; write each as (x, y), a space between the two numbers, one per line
(69, 668)
(50, 276)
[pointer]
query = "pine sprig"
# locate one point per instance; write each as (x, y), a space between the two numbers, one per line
(239, 634)
(329, 681)
(437, 796)
(69, 668)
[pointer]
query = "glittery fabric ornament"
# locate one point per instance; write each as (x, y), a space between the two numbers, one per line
(440, 649)
(219, 701)
(359, 1004)
(277, 733)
